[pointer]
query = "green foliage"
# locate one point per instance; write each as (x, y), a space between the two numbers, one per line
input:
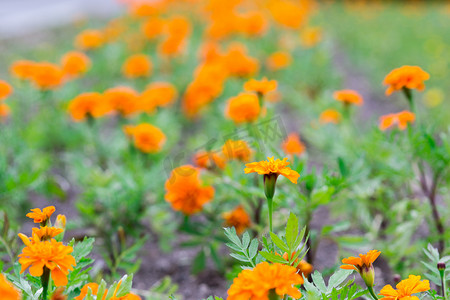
(245, 250)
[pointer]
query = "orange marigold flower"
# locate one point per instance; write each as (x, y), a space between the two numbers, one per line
(89, 39)
(288, 13)
(46, 76)
(7, 290)
(4, 111)
(137, 65)
(251, 23)
(158, 94)
(146, 137)
(303, 267)
(178, 29)
(94, 289)
(5, 90)
(400, 119)
(261, 87)
(237, 218)
(409, 77)
(348, 97)
(278, 60)
(265, 279)
(244, 107)
(75, 63)
(22, 69)
(292, 145)
(209, 160)
(405, 289)
(185, 191)
(271, 166)
(88, 105)
(330, 116)
(238, 149)
(147, 8)
(363, 264)
(153, 27)
(311, 36)
(41, 216)
(238, 62)
(47, 233)
(50, 254)
(123, 99)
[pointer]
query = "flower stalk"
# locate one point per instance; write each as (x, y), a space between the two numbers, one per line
(45, 278)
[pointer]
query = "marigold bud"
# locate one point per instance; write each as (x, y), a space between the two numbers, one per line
(61, 222)
(270, 181)
(368, 275)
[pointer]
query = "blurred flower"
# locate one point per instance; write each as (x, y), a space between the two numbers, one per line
(363, 264)
(22, 69)
(433, 97)
(89, 39)
(278, 60)
(7, 289)
(348, 97)
(400, 119)
(58, 294)
(405, 289)
(46, 76)
(75, 63)
(122, 99)
(409, 77)
(5, 111)
(41, 216)
(185, 191)
(238, 62)
(5, 90)
(88, 105)
(264, 281)
(137, 65)
(243, 108)
(261, 87)
(209, 160)
(157, 94)
(46, 233)
(237, 218)
(292, 145)
(310, 36)
(50, 254)
(178, 29)
(146, 137)
(330, 116)
(147, 8)
(237, 149)
(287, 13)
(153, 27)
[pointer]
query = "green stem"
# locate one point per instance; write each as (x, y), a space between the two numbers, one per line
(409, 97)
(270, 204)
(372, 293)
(45, 278)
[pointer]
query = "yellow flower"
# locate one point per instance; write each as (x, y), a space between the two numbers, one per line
(363, 264)
(278, 167)
(405, 289)
(41, 216)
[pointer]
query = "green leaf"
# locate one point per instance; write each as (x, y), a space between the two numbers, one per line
(272, 257)
(199, 262)
(337, 278)
(232, 236)
(278, 242)
(322, 196)
(253, 249)
(245, 240)
(291, 231)
(319, 282)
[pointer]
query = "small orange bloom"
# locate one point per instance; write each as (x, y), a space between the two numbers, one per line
(400, 119)
(5, 111)
(123, 99)
(46, 76)
(5, 90)
(153, 27)
(178, 29)
(252, 23)
(146, 137)
(94, 289)
(88, 105)
(271, 166)
(89, 39)
(363, 264)
(303, 267)
(311, 36)
(41, 216)
(409, 77)
(7, 290)
(51, 254)
(292, 145)
(137, 65)
(46, 233)
(348, 97)
(185, 191)
(279, 60)
(238, 150)
(158, 94)
(330, 116)
(22, 69)
(237, 218)
(405, 289)
(147, 8)
(75, 63)
(238, 62)
(261, 87)
(243, 108)
(258, 282)
(209, 160)
(290, 14)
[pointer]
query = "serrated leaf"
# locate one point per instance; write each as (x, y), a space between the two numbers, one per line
(291, 232)
(278, 242)
(232, 236)
(245, 240)
(337, 278)
(239, 257)
(319, 282)
(253, 249)
(272, 257)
